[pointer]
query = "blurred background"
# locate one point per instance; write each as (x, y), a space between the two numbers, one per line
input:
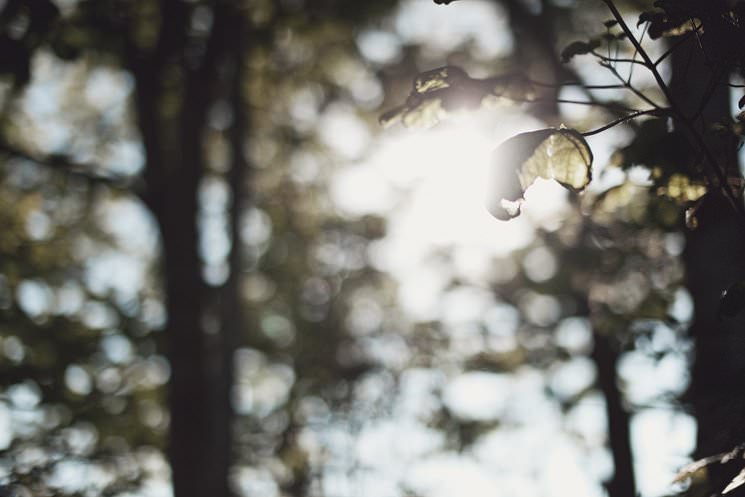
(217, 266)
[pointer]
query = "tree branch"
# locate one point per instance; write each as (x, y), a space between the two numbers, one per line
(621, 120)
(90, 173)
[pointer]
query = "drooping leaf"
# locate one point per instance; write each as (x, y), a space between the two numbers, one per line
(558, 154)
(438, 92)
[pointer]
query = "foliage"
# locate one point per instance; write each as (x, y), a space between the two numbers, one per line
(555, 154)
(682, 151)
(85, 367)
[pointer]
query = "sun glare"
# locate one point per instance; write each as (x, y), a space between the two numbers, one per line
(432, 186)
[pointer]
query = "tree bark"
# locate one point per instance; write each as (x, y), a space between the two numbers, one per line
(714, 260)
(231, 316)
(605, 356)
(174, 169)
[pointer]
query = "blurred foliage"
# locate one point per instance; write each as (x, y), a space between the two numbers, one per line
(324, 345)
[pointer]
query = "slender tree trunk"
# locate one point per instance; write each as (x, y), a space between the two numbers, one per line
(188, 388)
(605, 356)
(174, 169)
(221, 360)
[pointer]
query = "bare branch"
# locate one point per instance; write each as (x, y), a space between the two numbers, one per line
(91, 173)
(655, 112)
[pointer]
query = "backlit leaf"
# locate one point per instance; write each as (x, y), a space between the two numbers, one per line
(558, 154)
(447, 89)
(682, 188)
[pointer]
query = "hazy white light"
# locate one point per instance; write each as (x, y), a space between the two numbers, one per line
(443, 29)
(477, 395)
(379, 46)
(432, 184)
(661, 440)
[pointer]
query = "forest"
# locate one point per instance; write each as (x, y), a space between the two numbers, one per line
(390, 248)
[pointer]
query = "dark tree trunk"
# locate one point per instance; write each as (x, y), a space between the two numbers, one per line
(199, 387)
(605, 356)
(231, 316)
(188, 387)
(714, 259)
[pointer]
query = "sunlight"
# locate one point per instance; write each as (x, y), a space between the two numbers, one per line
(432, 186)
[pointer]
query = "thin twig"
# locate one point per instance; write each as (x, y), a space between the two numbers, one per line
(576, 83)
(643, 53)
(624, 119)
(90, 173)
(629, 86)
(604, 105)
(616, 59)
(636, 52)
(675, 45)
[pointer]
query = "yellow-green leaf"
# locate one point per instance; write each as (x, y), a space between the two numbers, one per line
(441, 91)
(682, 188)
(558, 154)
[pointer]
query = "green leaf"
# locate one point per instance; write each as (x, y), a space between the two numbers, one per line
(558, 154)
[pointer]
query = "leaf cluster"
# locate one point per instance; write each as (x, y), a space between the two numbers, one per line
(448, 89)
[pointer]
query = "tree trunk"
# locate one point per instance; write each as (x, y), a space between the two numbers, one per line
(605, 356)
(231, 316)
(200, 418)
(714, 260)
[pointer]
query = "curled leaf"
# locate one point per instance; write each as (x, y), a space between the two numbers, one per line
(558, 154)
